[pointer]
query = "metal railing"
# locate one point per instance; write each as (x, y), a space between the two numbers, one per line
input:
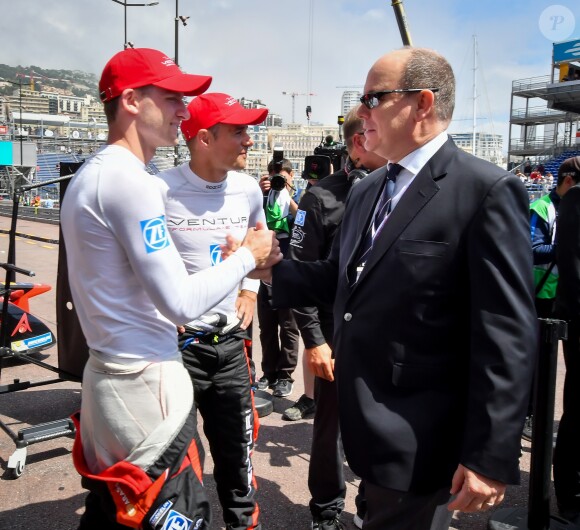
(532, 83)
(538, 112)
(42, 215)
(536, 143)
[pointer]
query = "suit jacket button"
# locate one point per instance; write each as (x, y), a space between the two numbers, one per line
(348, 317)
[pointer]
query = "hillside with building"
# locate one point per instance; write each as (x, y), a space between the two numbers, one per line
(53, 116)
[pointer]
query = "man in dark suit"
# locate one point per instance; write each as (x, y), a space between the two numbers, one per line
(435, 329)
(566, 457)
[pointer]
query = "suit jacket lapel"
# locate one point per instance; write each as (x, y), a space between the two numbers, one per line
(417, 195)
(367, 207)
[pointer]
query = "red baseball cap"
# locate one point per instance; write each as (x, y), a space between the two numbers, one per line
(138, 67)
(212, 108)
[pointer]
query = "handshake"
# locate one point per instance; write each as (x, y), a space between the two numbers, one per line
(263, 245)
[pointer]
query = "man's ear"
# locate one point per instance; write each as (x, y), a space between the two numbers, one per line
(424, 107)
(204, 137)
(129, 100)
(358, 145)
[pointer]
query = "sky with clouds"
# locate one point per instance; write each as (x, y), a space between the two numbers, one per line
(260, 48)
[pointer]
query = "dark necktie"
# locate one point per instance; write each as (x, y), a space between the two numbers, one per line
(382, 209)
(384, 204)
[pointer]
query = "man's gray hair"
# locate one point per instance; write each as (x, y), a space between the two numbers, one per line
(427, 69)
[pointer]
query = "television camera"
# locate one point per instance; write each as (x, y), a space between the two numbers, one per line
(328, 157)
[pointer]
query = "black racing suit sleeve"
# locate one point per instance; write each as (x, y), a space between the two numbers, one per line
(309, 243)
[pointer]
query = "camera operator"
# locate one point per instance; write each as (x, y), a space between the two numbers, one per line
(279, 333)
(317, 220)
(336, 151)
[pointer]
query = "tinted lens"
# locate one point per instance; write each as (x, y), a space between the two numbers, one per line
(369, 101)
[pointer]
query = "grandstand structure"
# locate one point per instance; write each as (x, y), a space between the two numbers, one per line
(545, 112)
(42, 153)
(544, 127)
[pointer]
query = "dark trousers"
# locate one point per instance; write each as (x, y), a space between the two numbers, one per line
(396, 510)
(279, 337)
(326, 470)
(220, 373)
(325, 473)
(566, 453)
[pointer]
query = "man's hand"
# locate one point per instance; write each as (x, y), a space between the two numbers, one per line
(262, 243)
(265, 184)
(245, 304)
(320, 362)
(474, 491)
(232, 244)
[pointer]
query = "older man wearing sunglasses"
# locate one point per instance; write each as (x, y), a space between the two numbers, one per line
(435, 329)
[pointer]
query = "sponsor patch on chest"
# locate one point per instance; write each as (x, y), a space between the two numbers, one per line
(215, 254)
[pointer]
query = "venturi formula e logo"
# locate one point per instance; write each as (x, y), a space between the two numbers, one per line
(155, 234)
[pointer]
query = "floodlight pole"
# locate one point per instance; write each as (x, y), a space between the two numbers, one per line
(21, 130)
(176, 59)
(176, 149)
(20, 120)
(397, 5)
(177, 32)
(125, 6)
(125, 19)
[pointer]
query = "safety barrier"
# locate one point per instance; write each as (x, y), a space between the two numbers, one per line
(40, 214)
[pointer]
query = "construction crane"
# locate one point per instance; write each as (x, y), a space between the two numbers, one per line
(293, 95)
(32, 75)
(31, 79)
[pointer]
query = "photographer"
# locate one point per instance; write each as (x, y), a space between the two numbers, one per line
(278, 183)
(278, 329)
(318, 218)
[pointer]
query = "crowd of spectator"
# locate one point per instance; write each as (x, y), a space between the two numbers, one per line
(537, 180)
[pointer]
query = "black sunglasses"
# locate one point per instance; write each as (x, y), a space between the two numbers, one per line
(372, 99)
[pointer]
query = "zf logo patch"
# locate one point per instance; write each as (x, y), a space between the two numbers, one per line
(176, 521)
(215, 254)
(155, 234)
(300, 218)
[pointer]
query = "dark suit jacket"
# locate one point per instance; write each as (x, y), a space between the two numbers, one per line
(435, 344)
(568, 256)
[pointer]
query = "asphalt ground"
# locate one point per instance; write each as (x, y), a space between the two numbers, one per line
(49, 496)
